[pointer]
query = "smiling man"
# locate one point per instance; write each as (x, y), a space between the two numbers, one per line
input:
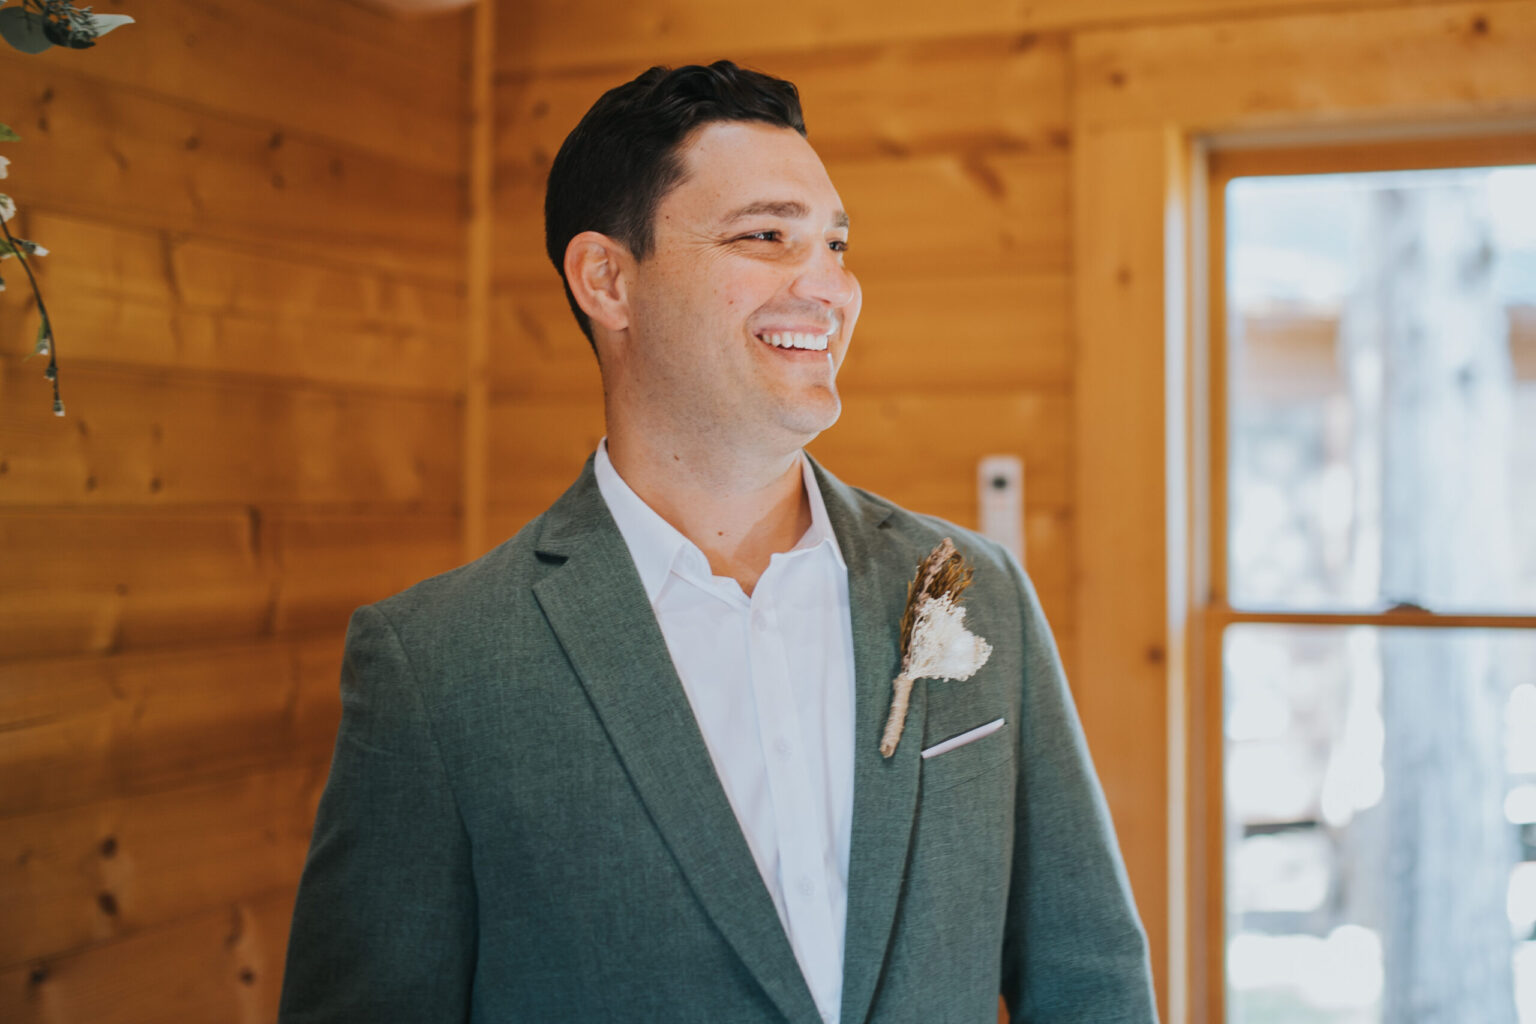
(627, 765)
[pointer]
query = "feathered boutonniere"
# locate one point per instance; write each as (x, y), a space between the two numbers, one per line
(934, 641)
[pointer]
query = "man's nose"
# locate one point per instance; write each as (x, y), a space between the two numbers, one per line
(824, 279)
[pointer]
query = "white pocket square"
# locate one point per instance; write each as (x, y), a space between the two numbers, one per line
(969, 736)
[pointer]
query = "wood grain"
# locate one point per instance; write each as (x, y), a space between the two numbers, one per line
(138, 437)
(277, 65)
(1313, 68)
(556, 34)
(134, 159)
(191, 273)
(81, 730)
(82, 876)
(113, 579)
(982, 94)
(223, 964)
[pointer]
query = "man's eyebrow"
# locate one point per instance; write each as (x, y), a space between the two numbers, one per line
(789, 209)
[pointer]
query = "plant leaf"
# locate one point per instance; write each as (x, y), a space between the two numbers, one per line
(7, 135)
(24, 30)
(107, 22)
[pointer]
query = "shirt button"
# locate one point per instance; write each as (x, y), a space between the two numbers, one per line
(783, 748)
(807, 887)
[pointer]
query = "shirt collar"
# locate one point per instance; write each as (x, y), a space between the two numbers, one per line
(657, 546)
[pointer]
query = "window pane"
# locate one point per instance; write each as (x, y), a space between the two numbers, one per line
(1380, 825)
(1382, 354)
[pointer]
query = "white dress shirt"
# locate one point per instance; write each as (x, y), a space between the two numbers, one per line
(770, 680)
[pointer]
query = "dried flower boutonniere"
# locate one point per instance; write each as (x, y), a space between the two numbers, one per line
(934, 641)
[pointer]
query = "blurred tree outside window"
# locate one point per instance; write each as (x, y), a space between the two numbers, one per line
(1380, 460)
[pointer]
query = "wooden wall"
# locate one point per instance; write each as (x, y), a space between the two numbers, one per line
(258, 218)
(255, 213)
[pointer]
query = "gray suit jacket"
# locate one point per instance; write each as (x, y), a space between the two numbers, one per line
(522, 821)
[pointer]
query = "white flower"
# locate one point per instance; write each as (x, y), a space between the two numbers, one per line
(7, 207)
(942, 648)
(5, 163)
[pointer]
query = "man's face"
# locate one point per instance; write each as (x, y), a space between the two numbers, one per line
(741, 315)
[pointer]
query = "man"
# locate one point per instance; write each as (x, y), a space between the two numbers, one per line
(626, 766)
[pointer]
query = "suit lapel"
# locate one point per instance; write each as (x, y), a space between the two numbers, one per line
(884, 790)
(597, 607)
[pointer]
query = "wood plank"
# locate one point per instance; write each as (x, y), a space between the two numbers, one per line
(920, 450)
(114, 579)
(538, 347)
(97, 329)
(302, 70)
(1002, 213)
(86, 875)
(83, 730)
(1122, 502)
(557, 34)
(995, 332)
(175, 270)
(333, 563)
(992, 93)
(538, 446)
(222, 965)
(148, 437)
(1468, 59)
(879, 442)
(128, 158)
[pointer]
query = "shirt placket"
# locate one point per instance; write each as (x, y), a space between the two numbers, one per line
(796, 809)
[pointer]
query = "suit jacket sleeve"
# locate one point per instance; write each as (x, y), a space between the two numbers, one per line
(384, 927)
(1074, 949)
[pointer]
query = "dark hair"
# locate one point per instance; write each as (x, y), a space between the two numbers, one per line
(619, 162)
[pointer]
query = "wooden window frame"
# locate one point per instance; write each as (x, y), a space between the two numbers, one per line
(1222, 166)
(1148, 104)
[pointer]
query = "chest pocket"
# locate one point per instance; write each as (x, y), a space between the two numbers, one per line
(964, 763)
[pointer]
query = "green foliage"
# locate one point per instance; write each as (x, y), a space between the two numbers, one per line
(6, 135)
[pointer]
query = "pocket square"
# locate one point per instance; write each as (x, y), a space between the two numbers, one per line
(969, 736)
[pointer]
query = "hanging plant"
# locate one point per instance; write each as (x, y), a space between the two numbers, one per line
(32, 27)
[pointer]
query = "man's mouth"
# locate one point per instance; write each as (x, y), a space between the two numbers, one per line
(796, 340)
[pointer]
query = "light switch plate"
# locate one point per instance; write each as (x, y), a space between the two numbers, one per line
(1000, 496)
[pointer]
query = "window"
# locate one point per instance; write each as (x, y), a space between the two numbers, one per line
(1372, 625)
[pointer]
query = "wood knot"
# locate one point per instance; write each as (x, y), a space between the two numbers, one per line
(108, 904)
(1156, 655)
(37, 975)
(247, 976)
(1480, 25)
(1117, 79)
(109, 847)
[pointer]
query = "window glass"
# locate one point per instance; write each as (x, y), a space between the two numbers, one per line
(1382, 390)
(1381, 824)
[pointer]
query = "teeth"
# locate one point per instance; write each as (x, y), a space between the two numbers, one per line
(784, 339)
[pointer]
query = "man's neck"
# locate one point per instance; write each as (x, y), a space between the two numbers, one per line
(739, 510)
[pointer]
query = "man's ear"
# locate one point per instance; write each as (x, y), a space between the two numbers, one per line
(594, 269)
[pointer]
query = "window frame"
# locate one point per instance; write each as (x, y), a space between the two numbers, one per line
(1144, 100)
(1223, 164)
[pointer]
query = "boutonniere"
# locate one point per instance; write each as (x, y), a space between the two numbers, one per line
(934, 641)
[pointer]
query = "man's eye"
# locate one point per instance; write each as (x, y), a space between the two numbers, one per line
(761, 236)
(838, 245)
